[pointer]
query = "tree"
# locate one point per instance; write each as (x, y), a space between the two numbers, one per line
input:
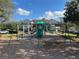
(71, 14)
(6, 8)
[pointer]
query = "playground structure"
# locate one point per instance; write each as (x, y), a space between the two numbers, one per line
(37, 28)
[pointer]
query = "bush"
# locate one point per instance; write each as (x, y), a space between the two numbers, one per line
(12, 32)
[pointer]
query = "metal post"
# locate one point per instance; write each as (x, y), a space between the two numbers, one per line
(23, 30)
(28, 29)
(17, 32)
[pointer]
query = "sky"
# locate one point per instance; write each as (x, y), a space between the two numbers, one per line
(38, 9)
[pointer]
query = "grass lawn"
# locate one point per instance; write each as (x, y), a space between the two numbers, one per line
(69, 34)
(73, 37)
(8, 36)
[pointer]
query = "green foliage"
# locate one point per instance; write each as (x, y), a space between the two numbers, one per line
(71, 14)
(2, 26)
(11, 27)
(6, 8)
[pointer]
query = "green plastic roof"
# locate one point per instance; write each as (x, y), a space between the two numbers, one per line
(40, 22)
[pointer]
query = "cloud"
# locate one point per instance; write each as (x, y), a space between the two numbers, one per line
(23, 12)
(59, 13)
(48, 15)
(40, 17)
(52, 15)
